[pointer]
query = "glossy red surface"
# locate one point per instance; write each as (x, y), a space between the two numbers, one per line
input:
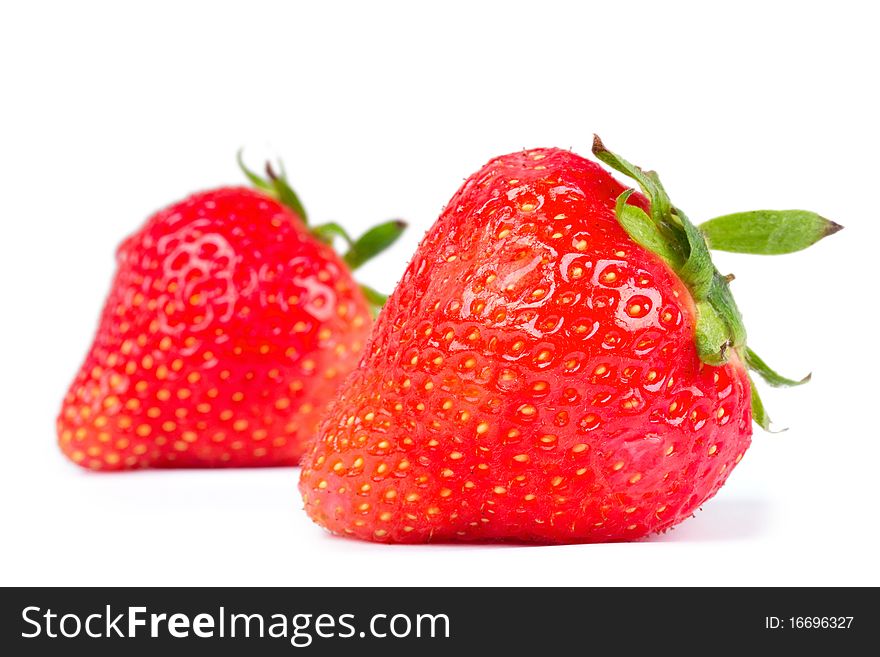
(532, 378)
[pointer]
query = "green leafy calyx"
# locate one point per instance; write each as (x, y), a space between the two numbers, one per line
(356, 251)
(685, 247)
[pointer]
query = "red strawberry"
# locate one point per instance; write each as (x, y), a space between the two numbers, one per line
(227, 330)
(556, 365)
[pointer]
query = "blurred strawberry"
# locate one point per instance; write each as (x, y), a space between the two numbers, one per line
(227, 329)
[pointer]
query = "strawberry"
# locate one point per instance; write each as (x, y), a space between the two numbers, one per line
(227, 329)
(561, 362)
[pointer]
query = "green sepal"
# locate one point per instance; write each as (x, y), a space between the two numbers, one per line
(660, 201)
(722, 299)
(327, 232)
(671, 235)
(258, 182)
(375, 298)
(667, 232)
(767, 232)
(284, 192)
(373, 242)
(274, 185)
(644, 230)
(367, 246)
(698, 272)
(650, 184)
(712, 336)
(759, 413)
(757, 364)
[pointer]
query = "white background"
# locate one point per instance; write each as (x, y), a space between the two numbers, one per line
(108, 112)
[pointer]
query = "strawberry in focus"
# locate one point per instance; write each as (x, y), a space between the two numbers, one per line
(561, 362)
(227, 329)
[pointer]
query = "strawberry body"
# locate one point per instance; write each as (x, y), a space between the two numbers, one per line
(226, 331)
(533, 378)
